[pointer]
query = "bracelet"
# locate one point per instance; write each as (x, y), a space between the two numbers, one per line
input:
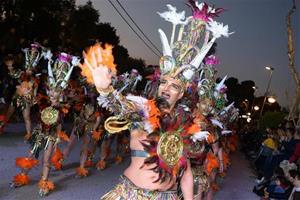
(106, 91)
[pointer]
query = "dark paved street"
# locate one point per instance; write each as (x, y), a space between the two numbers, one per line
(236, 186)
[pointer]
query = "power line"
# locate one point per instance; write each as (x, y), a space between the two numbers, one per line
(132, 28)
(137, 26)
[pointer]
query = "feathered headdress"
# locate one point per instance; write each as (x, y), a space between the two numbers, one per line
(182, 56)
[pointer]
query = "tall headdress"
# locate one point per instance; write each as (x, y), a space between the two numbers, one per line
(33, 54)
(182, 56)
(60, 70)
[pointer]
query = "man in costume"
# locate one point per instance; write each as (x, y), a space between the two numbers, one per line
(160, 130)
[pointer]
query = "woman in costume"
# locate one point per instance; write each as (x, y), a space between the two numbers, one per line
(24, 97)
(85, 126)
(48, 132)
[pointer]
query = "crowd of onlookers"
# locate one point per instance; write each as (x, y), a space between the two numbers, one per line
(275, 155)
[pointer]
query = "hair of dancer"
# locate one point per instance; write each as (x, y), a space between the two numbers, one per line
(161, 129)
(26, 90)
(48, 133)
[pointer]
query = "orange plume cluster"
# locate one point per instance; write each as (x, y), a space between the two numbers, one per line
(96, 56)
(97, 114)
(101, 165)
(56, 159)
(154, 114)
(118, 159)
(211, 139)
(46, 185)
(194, 128)
(63, 136)
(82, 172)
(21, 179)
(26, 163)
(212, 163)
(96, 135)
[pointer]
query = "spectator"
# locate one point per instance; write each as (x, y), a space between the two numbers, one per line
(296, 153)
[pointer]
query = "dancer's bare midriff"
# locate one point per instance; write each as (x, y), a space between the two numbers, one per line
(144, 177)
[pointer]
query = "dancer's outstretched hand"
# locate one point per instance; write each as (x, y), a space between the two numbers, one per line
(102, 77)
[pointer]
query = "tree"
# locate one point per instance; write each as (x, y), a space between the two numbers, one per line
(83, 25)
(271, 120)
(107, 34)
(294, 110)
(240, 93)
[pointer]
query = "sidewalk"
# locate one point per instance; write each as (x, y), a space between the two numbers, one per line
(238, 183)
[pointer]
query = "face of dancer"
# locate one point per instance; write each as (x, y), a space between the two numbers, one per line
(204, 107)
(9, 64)
(54, 97)
(171, 90)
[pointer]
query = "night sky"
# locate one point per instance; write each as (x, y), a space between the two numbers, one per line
(260, 37)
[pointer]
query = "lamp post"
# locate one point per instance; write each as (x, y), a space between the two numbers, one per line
(271, 69)
(271, 99)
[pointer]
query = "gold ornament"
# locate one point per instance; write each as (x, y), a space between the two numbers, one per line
(115, 125)
(170, 148)
(49, 115)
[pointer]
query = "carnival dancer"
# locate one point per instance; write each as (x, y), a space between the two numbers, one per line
(159, 162)
(24, 97)
(48, 132)
(85, 126)
(212, 107)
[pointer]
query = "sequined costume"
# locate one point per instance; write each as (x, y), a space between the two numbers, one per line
(48, 132)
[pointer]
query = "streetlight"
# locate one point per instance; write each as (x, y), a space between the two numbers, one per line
(256, 108)
(271, 99)
(270, 69)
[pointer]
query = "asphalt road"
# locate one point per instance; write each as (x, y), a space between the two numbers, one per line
(237, 184)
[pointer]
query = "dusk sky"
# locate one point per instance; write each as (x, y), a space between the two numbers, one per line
(259, 40)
